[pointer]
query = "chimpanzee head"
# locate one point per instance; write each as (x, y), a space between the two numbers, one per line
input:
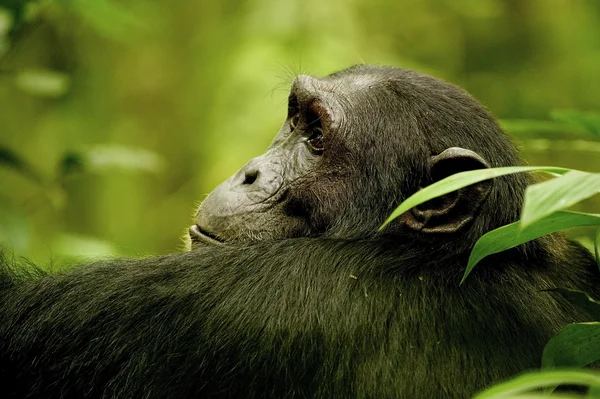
(354, 145)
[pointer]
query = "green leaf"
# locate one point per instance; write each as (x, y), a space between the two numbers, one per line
(589, 121)
(6, 24)
(536, 128)
(575, 346)
(511, 235)
(79, 246)
(6, 21)
(545, 198)
(543, 145)
(593, 392)
(542, 395)
(580, 299)
(530, 381)
(460, 180)
(106, 157)
(43, 82)
(110, 18)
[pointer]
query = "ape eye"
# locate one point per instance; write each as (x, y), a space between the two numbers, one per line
(294, 121)
(316, 141)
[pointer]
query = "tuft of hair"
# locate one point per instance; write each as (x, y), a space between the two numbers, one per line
(186, 242)
(16, 270)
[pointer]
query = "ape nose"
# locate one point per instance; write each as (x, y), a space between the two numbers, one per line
(250, 176)
(259, 175)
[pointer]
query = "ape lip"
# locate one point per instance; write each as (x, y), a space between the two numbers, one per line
(198, 234)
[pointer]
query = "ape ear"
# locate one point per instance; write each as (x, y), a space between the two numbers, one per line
(451, 212)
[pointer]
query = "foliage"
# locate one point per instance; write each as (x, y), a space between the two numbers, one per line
(515, 234)
(523, 387)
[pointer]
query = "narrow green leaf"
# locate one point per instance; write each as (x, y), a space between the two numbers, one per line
(536, 380)
(545, 198)
(535, 128)
(542, 395)
(593, 392)
(6, 21)
(460, 180)
(589, 121)
(511, 235)
(575, 346)
(543, 145)
(43, 82)
(82, 247)
(580, 299)
(105, 157)
(110, 18)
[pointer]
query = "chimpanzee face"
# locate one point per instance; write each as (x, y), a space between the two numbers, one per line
(353, 146)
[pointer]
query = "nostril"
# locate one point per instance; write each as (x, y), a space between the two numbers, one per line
(250, 177)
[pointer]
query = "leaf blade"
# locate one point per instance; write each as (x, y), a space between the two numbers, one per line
(545, 198)
(460, 180)
(512, 235)
(540, 379)
(575, 346)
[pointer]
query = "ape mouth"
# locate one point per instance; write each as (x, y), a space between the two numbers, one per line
(199, 235)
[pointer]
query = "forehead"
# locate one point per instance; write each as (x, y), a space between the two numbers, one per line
(335, 84)
(342, 95)
(340, 98)
(353, 81)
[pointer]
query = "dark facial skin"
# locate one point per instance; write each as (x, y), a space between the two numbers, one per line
(250, 203)
(254, 203)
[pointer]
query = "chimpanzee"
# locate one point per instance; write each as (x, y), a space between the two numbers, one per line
(290, 291)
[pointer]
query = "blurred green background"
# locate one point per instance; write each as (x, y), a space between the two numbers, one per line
(118, 117)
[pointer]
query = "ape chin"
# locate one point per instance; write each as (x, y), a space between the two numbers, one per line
(290, 291)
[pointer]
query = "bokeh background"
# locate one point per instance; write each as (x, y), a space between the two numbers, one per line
(118, 117)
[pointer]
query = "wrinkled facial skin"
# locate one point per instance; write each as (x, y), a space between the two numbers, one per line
(254, 203)
(309, 177)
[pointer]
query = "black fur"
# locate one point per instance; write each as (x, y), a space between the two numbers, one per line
(347, 313)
